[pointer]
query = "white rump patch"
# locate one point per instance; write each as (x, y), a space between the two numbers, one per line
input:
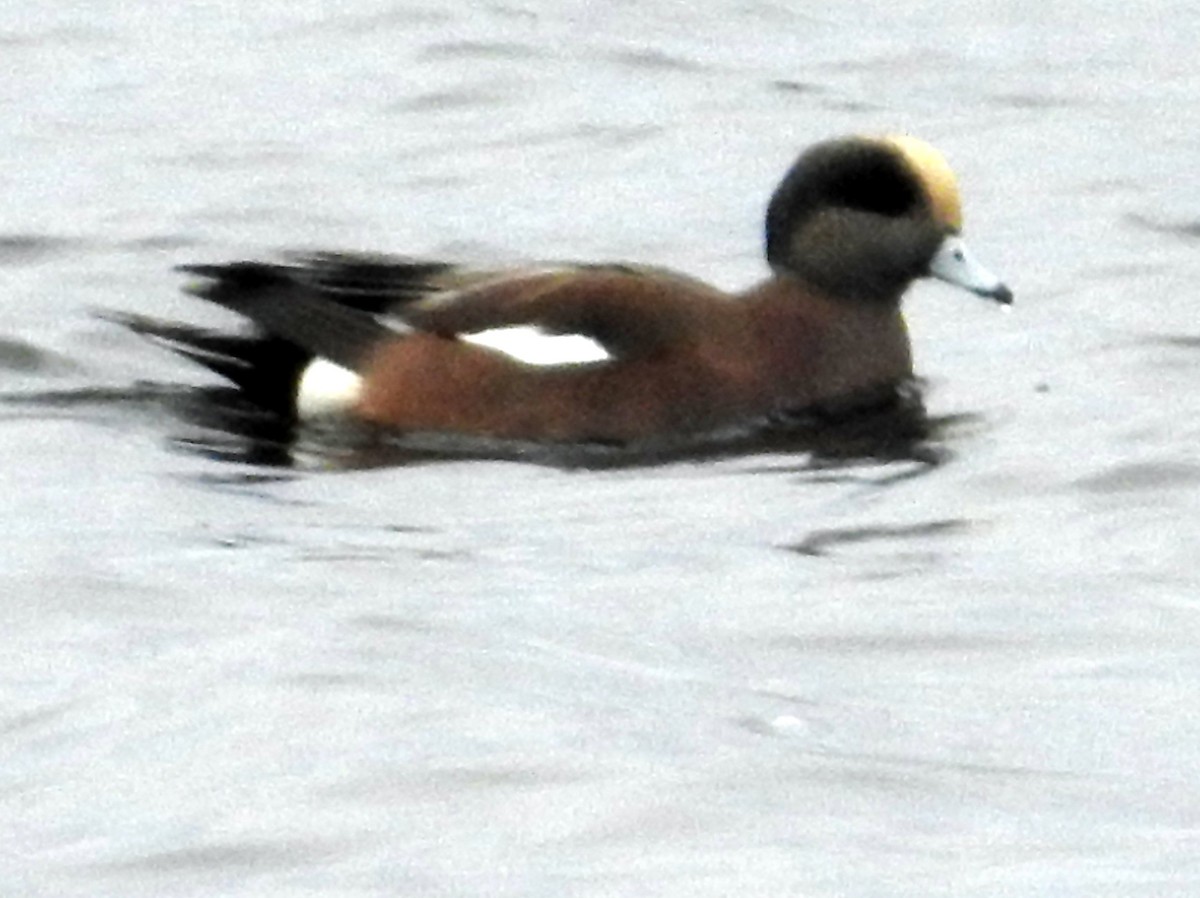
(534, 346)
(326, 390)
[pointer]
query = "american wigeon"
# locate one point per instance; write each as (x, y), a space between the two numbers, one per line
(420, 346)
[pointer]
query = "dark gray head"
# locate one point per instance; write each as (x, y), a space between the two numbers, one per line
(863, 217)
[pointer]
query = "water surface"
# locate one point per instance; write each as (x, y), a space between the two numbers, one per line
(966, 670)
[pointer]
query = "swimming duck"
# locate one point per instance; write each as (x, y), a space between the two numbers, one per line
(418, 345)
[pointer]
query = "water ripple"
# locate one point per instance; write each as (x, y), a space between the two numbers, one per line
(1141, 477)
(31, 249)
(820, 542)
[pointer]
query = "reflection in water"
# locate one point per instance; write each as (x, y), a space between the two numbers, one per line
(223, 426)
(230, 429)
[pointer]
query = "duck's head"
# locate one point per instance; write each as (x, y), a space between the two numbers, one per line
(862, 217)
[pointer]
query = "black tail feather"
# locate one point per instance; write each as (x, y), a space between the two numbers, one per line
(284, 306)
(371, 283)
(265, 369)
(374, 284)
(327, 305)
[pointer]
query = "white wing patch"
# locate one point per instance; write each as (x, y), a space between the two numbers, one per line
(326, 390)
(534, 346)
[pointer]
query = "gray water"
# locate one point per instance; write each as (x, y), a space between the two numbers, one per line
(751, 674)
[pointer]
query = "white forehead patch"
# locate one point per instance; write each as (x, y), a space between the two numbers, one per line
(935, 175)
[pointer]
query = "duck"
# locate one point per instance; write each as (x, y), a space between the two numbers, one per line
(608, 352)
